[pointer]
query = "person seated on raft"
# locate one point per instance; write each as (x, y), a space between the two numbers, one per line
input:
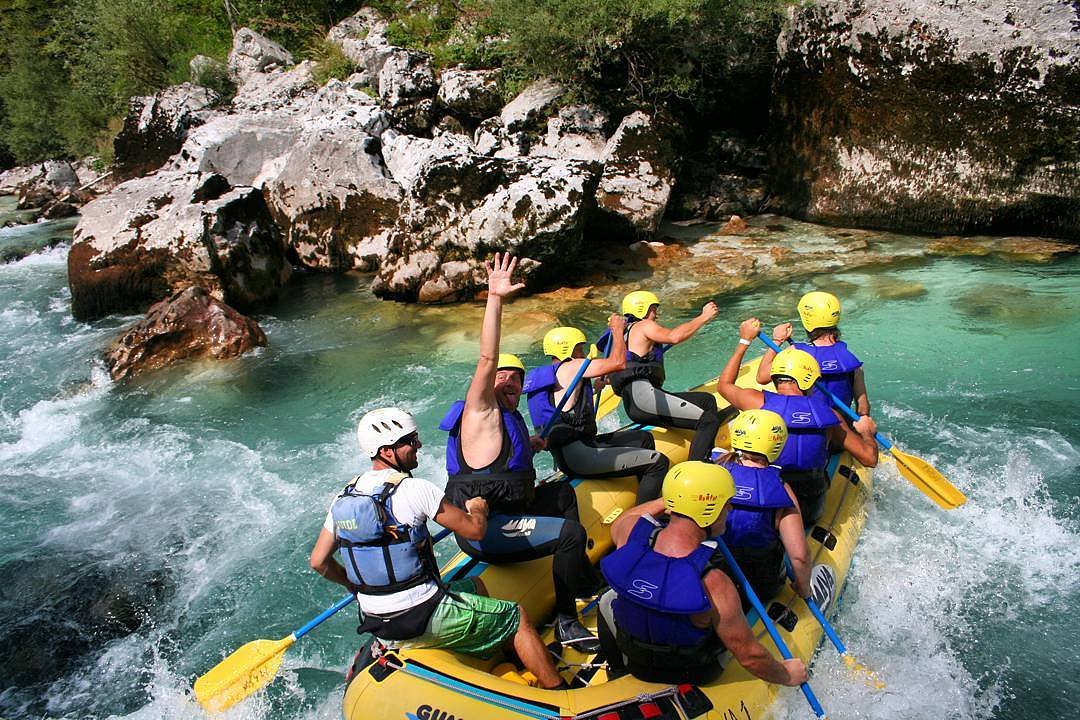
(578, 451)
(841, 371)
(672, 609)
(814, 427)
(378, 524)
(489, 454)
(640, 384)
(764, 522)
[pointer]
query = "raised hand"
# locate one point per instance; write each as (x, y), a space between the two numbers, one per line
(617, 323)
(499, 276)
(781, 333)
(749, 328)
(709, 311)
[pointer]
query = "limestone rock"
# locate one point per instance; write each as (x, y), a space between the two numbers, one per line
(50, 181)
(493, 139)
(12, 181)
(639, 171)
(1022, 249)
(362, 38)
(734, 226)
(724, 174)
(277, 90)
(578, 132)
(471, 94)
(929, 116)
(406, 75)
(152, 236)
(252, 53)
(531, 106)
(460, 206)
(189, 324)
(156, 126)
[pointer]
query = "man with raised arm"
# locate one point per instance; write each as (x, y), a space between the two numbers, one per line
(640, 385)
(814, 427)
(489, 454)
(378, 524)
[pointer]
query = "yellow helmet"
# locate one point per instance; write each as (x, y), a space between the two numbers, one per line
(819, 310)
(798, 365)
(638, 303)
(698, 490)
(510, 362)
(560, 342)
(759, 431)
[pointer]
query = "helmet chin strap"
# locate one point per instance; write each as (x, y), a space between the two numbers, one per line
(393, 465)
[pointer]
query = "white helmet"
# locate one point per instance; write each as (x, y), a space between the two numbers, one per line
(383, 427)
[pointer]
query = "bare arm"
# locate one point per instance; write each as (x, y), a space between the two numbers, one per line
(730, 625)
(793, 536)
(858, 387)
(470, 523)
(681, 333)
(780, 334)
(322, 559)
(616, 359)
(860, 441)
(742, 398)
(481, 424)
(620, 529)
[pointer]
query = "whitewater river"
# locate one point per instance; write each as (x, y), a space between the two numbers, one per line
(148, 529)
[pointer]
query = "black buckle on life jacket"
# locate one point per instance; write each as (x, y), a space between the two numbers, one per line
(692, 701)
(781, 615)
(850, 473)
(824, 537)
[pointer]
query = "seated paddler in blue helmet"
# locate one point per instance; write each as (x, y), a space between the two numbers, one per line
(841, 371)
(814, 428)
(764, 522)
(573, 440)
(489, 454)
(640, 384)
(378, 527)
(672, 610)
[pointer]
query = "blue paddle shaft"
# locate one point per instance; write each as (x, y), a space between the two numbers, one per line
(324, 615)
(835, 400)
(773, 633)
(815, 609)
(566, 396)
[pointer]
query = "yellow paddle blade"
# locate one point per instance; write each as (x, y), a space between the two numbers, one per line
(608, 402)
(926, 478)
(871, 679)
(242, 673)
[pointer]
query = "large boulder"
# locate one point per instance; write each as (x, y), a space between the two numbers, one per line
(55, 180)
(532, 105)
(362, 39)
(470, 94)
(189, 324)
(253, 53)
(932, 117)
(406, 75)
(156, 126)
(278, 90)
(333, 198)
(461, 205)
(13, 180)
(578, 132)
(639, 172)
(151, 236)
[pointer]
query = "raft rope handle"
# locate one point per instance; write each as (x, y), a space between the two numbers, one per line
(518, 706)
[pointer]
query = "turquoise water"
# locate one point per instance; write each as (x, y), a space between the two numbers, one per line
(151, 528)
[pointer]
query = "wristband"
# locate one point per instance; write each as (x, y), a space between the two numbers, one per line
(744, 341)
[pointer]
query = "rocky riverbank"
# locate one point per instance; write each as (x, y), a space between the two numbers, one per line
(417, 174)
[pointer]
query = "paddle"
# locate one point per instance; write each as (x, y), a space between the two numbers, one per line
(253, 666)
(773, 633)
(917, 471)
(854, 665)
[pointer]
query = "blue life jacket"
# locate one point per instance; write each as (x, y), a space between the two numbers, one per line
(650, 367)
(508, 482)
(759, 493)
(806, 417)
(838, 366)
(574, 424)
(655, 597)
(380, 555)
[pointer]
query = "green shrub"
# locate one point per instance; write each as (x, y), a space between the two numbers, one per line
(330, 60)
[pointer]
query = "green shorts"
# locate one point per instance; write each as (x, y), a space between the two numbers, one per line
(470, 623)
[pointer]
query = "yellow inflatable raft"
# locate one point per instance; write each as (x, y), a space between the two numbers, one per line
(441, 685)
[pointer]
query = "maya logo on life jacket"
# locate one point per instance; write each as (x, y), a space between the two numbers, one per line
(642, 588)
(829, 366)
(743, 493)
(521, 527)
(801, 418)
(427, 712)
